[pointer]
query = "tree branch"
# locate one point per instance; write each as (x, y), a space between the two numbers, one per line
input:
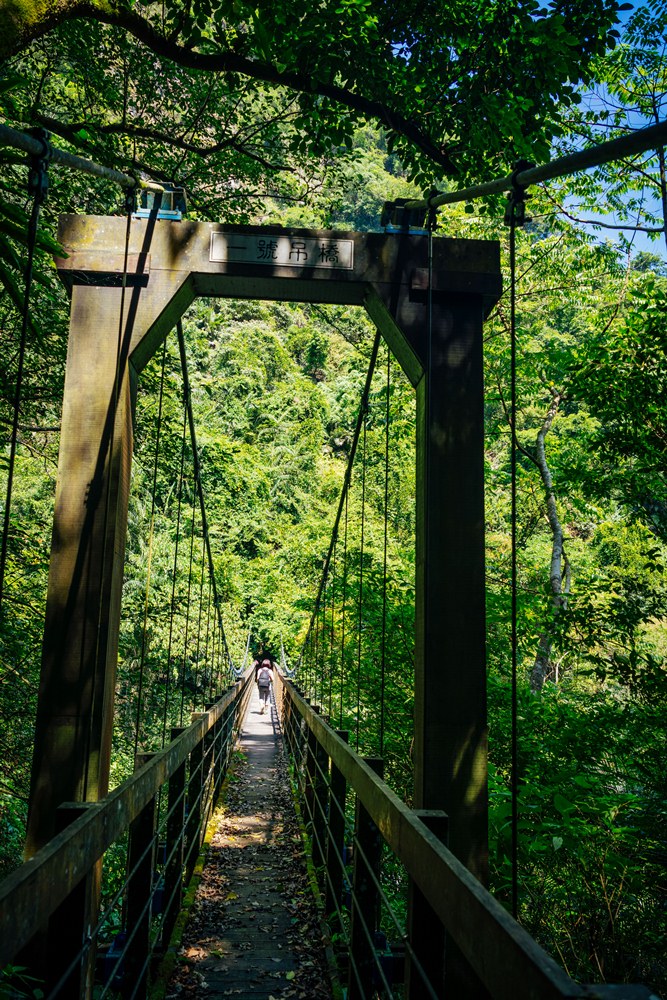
(69, 132)
(231, 62)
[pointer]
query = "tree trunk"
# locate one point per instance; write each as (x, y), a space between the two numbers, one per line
(22, 22)
(559, 571)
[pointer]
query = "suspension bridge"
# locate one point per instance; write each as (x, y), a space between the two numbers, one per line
(130, 282)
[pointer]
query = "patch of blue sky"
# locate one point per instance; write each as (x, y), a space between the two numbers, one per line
(632, 218)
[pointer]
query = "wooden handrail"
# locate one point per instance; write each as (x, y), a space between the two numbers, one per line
(54, 871)
(504, 956)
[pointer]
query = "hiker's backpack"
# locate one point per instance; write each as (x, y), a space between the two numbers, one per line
(264, 676)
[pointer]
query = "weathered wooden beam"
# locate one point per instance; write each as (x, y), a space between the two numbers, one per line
(383, 272)
(450, 738)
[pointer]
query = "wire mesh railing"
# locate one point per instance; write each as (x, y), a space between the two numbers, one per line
(405, 917)
(105, 930)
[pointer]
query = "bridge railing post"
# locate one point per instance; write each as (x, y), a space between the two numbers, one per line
(336, 837)
(224, 731)
(214, 764)
(309, 772)
(141, 865)
(425, 958)
(293, 726)
(209, 772)
(286, 717)
(68, 926)
(195, 793)
(365, 898)
(320, 805)
(303, 734)
(173, 875)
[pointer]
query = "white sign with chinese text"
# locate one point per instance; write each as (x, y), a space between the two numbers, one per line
(284, 251)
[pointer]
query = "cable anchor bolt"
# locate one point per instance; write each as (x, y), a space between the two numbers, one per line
(131, 198)
(515, 209)
(38, 177)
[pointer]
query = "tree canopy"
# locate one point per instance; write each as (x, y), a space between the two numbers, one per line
(459, 87)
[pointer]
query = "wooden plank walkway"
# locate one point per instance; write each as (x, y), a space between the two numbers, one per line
(254, 931)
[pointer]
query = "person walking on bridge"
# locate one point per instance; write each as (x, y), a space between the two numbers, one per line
(264, 678)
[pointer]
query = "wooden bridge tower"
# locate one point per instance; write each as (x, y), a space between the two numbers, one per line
(125, 299)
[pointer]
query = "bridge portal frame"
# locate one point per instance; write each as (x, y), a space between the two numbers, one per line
(123, 305)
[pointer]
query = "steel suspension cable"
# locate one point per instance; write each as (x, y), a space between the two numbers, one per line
(199, 486)
(208, 629)
(343, 613)
(333, 626)
(172, 611)
(383, 648)
(361, 579)
(35, 146)
(348, 472)
(187, 604)
(149, 560)
(37, 186)
(201, 610)
(640, 141)
(320, 645)
(515, 216)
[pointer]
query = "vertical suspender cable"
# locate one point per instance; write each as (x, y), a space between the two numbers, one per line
(201, 610)
(316, 652)
(515, 216)
(214, 654)
(37, 186)
(200, 492)
(172, 612)
(361, 577)
(343, 610)
(319, 685)
(333, 625)
(513, 611)
(208, 630)
(383, 648)
(361, 416)
(149, 561)
(187, 605)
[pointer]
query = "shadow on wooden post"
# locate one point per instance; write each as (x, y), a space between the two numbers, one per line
(68, 945)
(321, 806)
(425, 960)
(365, 898)
(141, 864)
(173, 875)
(336, 837)
(195, 790)
(310, 771)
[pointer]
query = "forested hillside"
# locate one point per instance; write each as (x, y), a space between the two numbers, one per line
(276, 390)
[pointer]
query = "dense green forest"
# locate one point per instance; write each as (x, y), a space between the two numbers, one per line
(264, 119)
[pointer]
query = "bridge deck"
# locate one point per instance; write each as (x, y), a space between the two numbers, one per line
(253, 931)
